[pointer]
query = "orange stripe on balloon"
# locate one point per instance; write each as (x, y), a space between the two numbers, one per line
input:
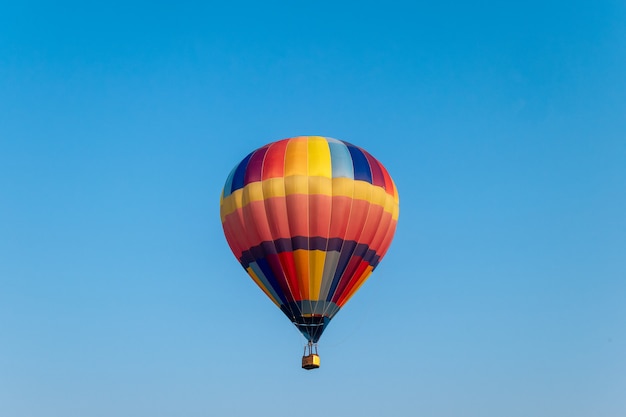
(296, 157)
(317, 259)
(301, 258)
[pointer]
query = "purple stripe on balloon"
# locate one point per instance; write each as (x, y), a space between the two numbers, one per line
(255, 166)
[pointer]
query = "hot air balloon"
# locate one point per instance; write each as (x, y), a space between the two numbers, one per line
(309, 218)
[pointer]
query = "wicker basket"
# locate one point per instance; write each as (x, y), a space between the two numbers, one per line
(311, 361)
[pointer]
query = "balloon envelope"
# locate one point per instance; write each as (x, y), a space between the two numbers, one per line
(309, 218)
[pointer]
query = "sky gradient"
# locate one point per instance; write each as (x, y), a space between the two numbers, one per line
(502, 125)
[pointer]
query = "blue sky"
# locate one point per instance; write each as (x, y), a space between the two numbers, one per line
(502, 124)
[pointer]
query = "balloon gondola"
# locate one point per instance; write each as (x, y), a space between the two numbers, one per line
(310, 358)
(309, 218)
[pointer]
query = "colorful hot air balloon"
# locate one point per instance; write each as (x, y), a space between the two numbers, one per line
(309, 218)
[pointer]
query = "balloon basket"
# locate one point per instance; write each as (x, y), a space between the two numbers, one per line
(310, 360)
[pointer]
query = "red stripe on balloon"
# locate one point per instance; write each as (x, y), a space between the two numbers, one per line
(289, 266)
(358, 216)
(339, 217)
(381, 232)
(274, 163)
(298, 215)
(232, 240)
(276, 265)
(372, 224)
(257, 218)
(387, 239)
(319, 224)
(389, 187)
(278, 217)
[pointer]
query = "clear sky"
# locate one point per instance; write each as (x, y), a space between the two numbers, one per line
(502, 123)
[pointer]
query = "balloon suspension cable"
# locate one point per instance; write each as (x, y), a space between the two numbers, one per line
(310, 349)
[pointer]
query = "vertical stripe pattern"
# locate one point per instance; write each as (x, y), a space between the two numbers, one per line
(309, 218)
